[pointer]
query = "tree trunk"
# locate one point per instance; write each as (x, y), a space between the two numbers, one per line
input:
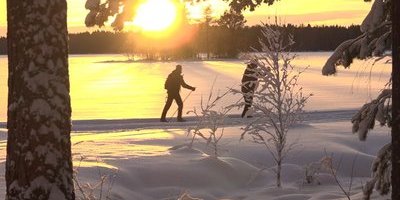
(38, 164)
(278, 174)
(396, 100)
(207, 45)
(279, 168)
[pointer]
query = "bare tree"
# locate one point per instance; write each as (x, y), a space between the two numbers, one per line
(278, 101)
(38, 164)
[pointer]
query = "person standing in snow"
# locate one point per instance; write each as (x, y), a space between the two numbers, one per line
(173, 85)
(249, 82)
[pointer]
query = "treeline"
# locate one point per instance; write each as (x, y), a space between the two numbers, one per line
(216, 41)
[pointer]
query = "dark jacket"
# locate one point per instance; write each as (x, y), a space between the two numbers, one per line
(249, 78)
(174, 82)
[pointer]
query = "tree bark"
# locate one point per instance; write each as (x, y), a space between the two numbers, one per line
(38, 164)
(278, 174)
(396, 100)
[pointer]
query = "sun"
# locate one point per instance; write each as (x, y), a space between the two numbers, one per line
(155, 15)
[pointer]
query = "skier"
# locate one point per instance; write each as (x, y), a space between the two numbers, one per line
(249, 82)
(173, 85)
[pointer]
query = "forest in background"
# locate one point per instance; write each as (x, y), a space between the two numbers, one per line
(217, 41)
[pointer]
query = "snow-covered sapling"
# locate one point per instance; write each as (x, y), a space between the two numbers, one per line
(278, 101)
(211, 120)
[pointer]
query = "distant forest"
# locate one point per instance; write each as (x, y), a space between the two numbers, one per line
(217, 41)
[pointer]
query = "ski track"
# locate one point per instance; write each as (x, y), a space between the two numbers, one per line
(231, 120)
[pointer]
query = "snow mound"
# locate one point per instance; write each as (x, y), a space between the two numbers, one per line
(232, 171)
(294, 197)
(173, 175)
(184, 149)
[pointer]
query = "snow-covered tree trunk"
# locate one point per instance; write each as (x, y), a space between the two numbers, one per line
(38, 162)
(396, 100)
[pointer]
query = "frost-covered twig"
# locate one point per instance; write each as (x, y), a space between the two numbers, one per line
(211, 120)
(327, 163)
(88, 190)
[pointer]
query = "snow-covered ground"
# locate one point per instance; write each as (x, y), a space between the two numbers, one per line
(116, 131)
(151, 161)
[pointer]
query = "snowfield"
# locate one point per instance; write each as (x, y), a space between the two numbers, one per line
(116, 132)
(151, 161)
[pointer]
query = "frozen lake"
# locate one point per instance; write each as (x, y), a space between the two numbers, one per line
(151, 157)
(121, 90)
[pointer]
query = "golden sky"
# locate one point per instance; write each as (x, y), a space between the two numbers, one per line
(328, 12)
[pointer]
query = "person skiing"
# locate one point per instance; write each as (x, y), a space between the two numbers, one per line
(173, 85)
(249, 82)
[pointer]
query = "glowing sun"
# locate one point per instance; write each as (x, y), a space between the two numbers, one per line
(155, 15)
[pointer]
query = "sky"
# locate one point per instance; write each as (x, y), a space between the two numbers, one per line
(314, 12)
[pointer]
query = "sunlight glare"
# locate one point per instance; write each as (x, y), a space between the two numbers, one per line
(196, 11)
(155, 15)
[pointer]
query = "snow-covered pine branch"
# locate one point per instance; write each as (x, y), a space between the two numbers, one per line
(378, 109)
(376, 29)
(374, 41)
(381, 173)
(363, 121)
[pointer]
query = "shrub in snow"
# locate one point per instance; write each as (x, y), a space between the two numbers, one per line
(312, 172)
(94, 191)
(313, 169)
(278, 99)
(210, 123)
(327, 164)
